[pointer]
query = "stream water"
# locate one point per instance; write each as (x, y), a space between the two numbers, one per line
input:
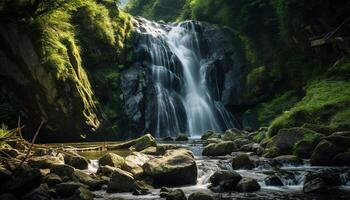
(292, 177)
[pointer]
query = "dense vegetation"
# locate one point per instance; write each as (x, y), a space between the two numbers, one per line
(284, 67)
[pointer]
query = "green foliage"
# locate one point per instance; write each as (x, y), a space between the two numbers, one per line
(3, 134)
(325, 103)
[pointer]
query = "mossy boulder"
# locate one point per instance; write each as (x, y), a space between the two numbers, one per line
(247, 185)
(210, 134)
(232, 134)
(121, 181)
(219, 149)
(182, 137)
(144, 142)
(112, 160)
(242, 161)
(225, 180)
(324, 154)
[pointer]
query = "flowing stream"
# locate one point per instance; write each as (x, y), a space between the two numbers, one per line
(179, 70)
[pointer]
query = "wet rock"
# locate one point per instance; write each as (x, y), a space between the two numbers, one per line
(133, 164)
(76, 161)
(167, 169)
(150, 151)
(271, 152)
(93, 183)
(273, 181)
(82, 194)
(324, 154)
(287, 160)
(200, 196)
(121, 181)
(219, 149)
(52, 180)
(105, 170)
(304, 148)
(329, 176)
(232, 134)
(241, 142)
(163, 148)
(285, 139)
(342, 159)
(40, 193)
(247, 185)
(44, 162)
(210, 134)
(176, 195)
(62, 170)
(112, 160)
(26, 180)
(8, 197)
(67, 189)
(242, 161)
(181, 137)
(144, 142)
(224, 180)
(214, 140)
(315, 186)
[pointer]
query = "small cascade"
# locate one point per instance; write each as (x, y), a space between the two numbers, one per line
(179, 72)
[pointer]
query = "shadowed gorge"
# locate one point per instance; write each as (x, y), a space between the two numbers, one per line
(174, 99)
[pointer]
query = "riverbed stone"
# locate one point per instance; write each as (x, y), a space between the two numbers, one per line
(181, 137)
(317, 185)
(232, 134)
(210, 134)
(82, 194)
(219, 149)
(324, 154)
(224, 180)
(76, 161)
(93, 183)
(44, 162)
(52, 180)
(112, 160)
(176, 195)
(329, 176)
(105, 171)
(134, 162)
(242, 161)
(287, 160)
(247, 185)
(239, 142)
(62, 170)
(67, 189)
(273, 181)
(144, 142)
(121, 181)
(25, 180)
(167, 169)
(39, 193)
(200, 196)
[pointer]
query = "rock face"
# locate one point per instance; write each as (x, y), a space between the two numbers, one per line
(167, 169)
(121, 181)
(219, 149)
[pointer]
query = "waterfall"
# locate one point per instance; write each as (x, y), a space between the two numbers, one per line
(183, 102)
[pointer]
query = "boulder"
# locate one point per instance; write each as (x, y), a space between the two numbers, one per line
(92, 182)
(121, 181)
(82, 194)
(200, 196)
(342, 159)
(287, 160)
(315, 186)
(247, 185)
(134, 162)
(176, 195)
(62, 170)
(40, 193)
(181, 137)
(112, 160)
(285, 139)
(44, 162)
(167, 169)
(105, 171)
(224, 180)
(341, 139)
(210, 134)
(273, 181)
(271, 152)
(219, 149)
(239, 142)
(76, 161)
(52, 179)
(232, 134)
(25, 180)
(327, 175)
(242, 161)
(324, 154)
(67, 189)
(144, 142)
(304, 148)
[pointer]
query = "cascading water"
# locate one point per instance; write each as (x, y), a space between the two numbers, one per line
(179, 70)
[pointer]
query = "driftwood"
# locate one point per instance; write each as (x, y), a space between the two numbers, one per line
(30, 147)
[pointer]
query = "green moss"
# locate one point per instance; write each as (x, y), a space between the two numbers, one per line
(324, 104)
(3, 134)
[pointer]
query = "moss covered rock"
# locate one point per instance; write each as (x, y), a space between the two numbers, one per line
(219, 149)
